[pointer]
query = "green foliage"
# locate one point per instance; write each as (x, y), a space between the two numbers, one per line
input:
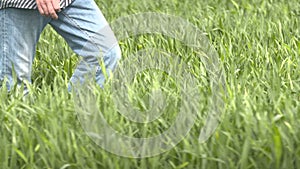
(258, 42)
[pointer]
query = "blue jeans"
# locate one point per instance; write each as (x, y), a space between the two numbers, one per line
(81, 24)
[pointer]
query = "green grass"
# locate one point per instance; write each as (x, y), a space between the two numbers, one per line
(258, 43)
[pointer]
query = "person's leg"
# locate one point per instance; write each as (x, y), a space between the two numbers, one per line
(87, 32)
(19, 32)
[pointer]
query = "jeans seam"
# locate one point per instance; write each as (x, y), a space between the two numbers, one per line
(4, 59)
(78, 26)
(84, 32)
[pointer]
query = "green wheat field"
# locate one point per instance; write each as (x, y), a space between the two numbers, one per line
(258, 43)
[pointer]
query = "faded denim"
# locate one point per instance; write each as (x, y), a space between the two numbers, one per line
(81, 24)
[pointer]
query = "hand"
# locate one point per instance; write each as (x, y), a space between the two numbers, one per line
(48, 7)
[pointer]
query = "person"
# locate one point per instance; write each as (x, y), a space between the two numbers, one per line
(79, 22)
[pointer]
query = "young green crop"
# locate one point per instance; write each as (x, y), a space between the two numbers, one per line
(258, 43)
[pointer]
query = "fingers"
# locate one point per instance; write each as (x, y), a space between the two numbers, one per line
(48, 8)
(56, 6)
(41, 7)
(51, 11)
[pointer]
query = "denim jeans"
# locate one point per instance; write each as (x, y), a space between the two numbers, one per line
(81, 24)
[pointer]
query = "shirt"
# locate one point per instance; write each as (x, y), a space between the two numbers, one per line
(27, 4)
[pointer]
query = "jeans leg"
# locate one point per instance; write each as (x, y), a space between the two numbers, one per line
(19, 32)
(87, 32)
